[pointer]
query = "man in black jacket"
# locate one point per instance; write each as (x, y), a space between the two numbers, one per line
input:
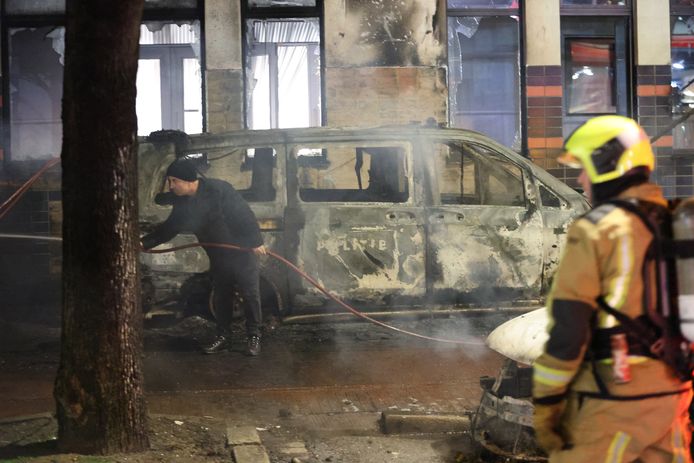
(216, 213)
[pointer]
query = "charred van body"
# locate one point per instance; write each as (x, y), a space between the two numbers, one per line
(387, 218)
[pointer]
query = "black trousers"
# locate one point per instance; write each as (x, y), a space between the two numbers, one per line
(237, 272)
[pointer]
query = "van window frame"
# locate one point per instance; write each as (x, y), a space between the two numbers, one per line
(525, 172)
(323, 161)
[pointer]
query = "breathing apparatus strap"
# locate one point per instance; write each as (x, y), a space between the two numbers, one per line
(640, 331)
(660, 333)
(683, 249)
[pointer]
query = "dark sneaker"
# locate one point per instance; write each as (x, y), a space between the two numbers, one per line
(220, 344)
(253, 345)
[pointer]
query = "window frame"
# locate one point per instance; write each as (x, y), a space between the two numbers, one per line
(12, 21)
(522, 78)
(680, 10)
(568, 39)
(624, 91)
(484, 164)
(151, 50)
(404, 152)
(281, 12)
(7, 23)
(597, 10)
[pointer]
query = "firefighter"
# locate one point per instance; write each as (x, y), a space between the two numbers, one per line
(216, 213)
(600, 395)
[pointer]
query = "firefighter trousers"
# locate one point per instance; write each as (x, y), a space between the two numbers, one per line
(651, 430)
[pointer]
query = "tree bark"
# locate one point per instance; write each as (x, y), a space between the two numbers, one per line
(99, 388)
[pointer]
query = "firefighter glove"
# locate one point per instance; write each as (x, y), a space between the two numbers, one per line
(547, 424)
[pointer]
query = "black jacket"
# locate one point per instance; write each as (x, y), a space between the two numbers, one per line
(215, 214)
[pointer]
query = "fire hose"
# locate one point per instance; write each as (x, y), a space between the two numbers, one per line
(320, 288)
(14, 198)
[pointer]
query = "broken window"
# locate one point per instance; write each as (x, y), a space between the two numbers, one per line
(344, 173)
(252, 172)
(169, 84)
(36, 57)
(169, 80)
(472, 174)
(548, 198)
(283, 73)
(484, 76)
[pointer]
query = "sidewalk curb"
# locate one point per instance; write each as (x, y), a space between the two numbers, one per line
(418, 423)
(23, 418)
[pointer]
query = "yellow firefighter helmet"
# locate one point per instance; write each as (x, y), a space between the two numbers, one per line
(608, 147)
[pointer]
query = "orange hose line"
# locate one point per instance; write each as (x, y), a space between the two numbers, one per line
(320, 288)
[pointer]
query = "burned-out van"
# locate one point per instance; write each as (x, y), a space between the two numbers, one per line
(386, 218)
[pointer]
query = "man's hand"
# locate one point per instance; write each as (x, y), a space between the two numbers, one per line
(547, 424)
(260, 250)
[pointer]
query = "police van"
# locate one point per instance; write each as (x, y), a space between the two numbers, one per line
(388, 219)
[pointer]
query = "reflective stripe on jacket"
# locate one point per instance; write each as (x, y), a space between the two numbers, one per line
(604, 256)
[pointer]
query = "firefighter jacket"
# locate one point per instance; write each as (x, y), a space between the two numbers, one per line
(604, 256)
(217, 213)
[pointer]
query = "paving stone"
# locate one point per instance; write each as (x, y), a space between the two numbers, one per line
(294, 448)
(239, 435)
(250, 454)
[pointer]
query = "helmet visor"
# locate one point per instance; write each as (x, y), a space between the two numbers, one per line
(569, 160)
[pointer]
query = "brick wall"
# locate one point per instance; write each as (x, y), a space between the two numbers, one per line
(373, 96)
(545, 122)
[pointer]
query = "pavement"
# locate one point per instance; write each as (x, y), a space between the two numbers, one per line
(347, 391)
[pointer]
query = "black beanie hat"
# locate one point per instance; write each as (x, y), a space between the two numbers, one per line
(183, 169)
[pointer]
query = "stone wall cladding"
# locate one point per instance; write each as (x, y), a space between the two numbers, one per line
(225, 97)
(372, 96)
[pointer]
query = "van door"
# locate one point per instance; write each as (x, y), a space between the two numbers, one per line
(354, 224)
(484, 231)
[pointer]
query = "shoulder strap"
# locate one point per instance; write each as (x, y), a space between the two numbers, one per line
(666, 345)
(596, 214)
(634, 208)
(641, 332)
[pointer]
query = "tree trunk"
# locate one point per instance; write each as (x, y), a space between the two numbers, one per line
(99, 388)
